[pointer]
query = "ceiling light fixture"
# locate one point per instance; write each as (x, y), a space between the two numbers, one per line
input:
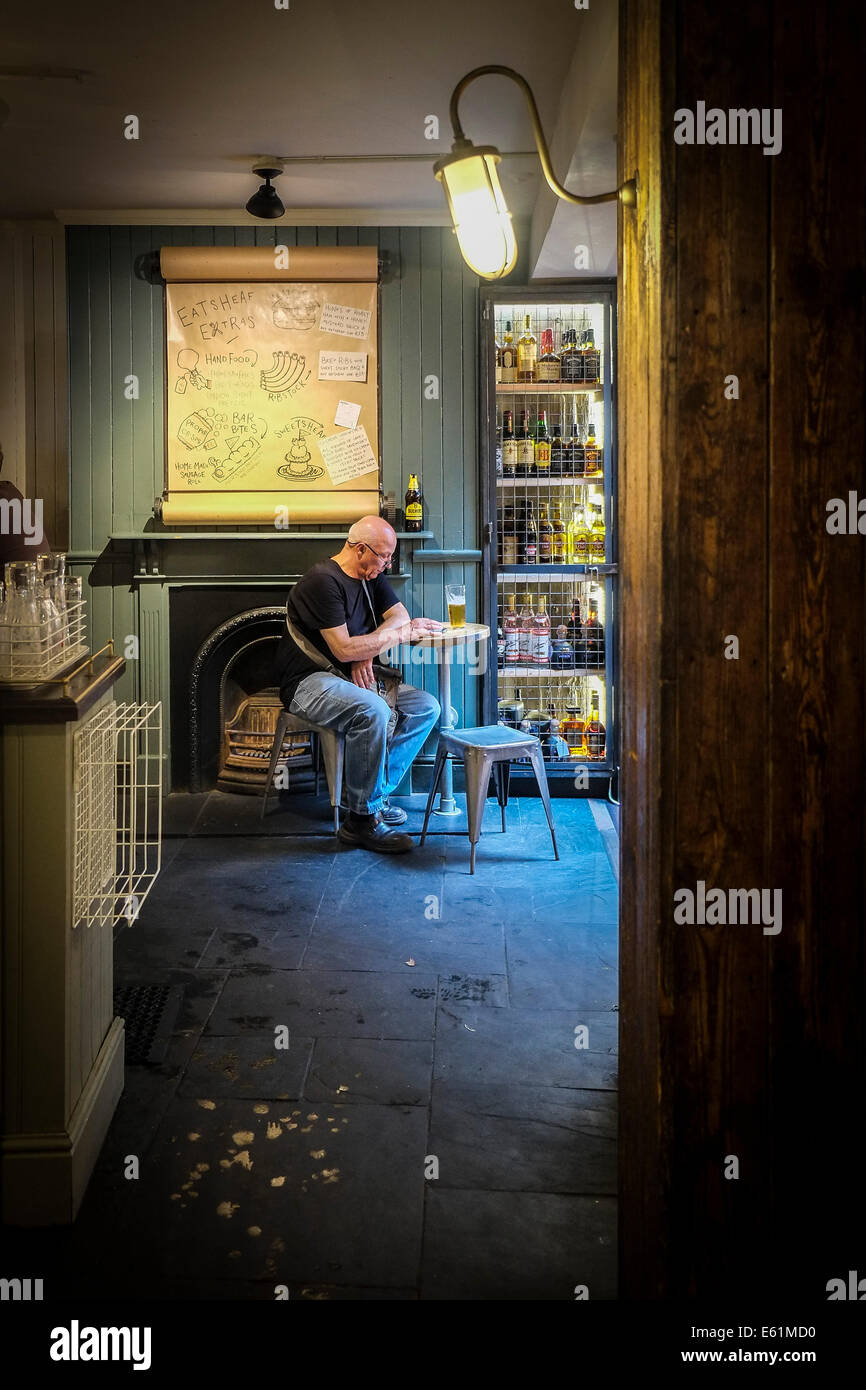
(476, 202)
(265, 202)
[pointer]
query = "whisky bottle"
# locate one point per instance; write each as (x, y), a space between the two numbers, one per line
(499, 442)
(573, 728)
(596, 537)
(559, 539)
(527, 352)
(562, 654)
(576, 451)
(570, 358)
(545, 536)
(581, 539)
(525, 447)
(541, 634)
(575, 633)
(525, 639)
(595, 731)
(530, 545)
(577, 743)
(542, 444)
(591, 357)
(593, 635)
(509, 548)
(507, 357)
(548, 362)
(509, 446)
(414, 507)
(511, 631)
(591, 452)
(557, 453)
(520, 531)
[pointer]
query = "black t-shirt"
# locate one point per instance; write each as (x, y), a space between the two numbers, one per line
(327, 597)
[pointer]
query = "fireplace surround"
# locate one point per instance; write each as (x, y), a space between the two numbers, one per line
(234, 704)
(224, 698)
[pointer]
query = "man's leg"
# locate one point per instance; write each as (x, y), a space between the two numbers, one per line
(362, 717)
(417, 712)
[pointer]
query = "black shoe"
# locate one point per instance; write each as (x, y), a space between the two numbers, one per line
(392, 815)
(370, 832)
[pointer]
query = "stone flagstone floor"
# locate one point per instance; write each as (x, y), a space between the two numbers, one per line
(431, 1131)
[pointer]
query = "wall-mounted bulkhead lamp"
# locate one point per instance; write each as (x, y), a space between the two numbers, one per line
(265, 202)
(475, 199)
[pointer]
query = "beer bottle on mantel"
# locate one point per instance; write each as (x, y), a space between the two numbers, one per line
(414, 510)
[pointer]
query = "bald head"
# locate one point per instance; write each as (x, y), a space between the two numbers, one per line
(368, 548)
(374, 531)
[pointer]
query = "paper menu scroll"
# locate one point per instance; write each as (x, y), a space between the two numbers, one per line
(244, 404)
(342, 366)
(347, 455)
(279, 510)
(248, 264)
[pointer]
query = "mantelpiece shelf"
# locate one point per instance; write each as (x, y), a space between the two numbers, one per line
(252, 535)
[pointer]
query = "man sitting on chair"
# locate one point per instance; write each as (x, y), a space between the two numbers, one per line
(340, 616)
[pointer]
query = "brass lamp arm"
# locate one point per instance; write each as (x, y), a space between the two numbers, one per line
(626, 192)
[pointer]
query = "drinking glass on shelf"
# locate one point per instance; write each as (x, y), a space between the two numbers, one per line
(23, 618)
(72, 588)
(52, 632)
(455, 595)
(4, 632)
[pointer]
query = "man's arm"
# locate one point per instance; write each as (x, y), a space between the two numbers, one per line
(396, 626)
(368, 644)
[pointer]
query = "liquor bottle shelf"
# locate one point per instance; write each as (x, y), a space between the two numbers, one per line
(572, 671)
(560, 479)
(546, 570)
(546, 388)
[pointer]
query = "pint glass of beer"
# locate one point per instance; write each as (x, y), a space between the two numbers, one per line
(455, 595)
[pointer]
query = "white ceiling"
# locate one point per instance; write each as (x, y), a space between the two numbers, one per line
(217, 84)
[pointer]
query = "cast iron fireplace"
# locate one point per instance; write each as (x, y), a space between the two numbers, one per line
(234, 704)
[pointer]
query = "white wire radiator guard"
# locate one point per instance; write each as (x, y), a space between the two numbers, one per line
(117, 786)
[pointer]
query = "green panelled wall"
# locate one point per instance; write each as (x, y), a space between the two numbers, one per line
(429, 327)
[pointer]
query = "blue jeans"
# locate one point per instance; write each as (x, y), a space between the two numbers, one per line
(373, 764)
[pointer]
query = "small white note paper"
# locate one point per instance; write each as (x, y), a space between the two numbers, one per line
(347, 414)
(342, 366)
(343, 319)
(347, 455)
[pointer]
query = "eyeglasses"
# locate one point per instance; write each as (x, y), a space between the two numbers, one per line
(386, 558)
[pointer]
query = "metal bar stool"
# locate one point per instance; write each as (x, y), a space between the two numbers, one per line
(332, 748)
(491, 748)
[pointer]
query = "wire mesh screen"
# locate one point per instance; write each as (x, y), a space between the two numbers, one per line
(551, 654)
(552, 516)
(118, 812)
(94, 785)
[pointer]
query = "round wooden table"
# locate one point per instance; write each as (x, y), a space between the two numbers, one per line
(445, 642)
